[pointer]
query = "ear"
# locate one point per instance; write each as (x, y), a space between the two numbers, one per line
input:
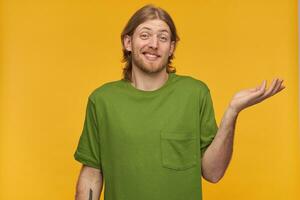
(172, 47)
(127, 43)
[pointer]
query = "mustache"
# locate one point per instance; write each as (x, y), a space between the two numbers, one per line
(151, 52)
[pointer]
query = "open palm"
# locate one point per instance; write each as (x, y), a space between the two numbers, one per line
(249, 97)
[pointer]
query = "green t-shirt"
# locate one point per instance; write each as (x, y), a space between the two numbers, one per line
(148, 144)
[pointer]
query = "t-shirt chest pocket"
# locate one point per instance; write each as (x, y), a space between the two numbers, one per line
(178, 149)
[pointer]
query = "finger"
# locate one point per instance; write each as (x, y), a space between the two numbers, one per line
(266, 94)
(272, 86)
(259, 90)
(263, 86)
(277, 87)
(281, 88)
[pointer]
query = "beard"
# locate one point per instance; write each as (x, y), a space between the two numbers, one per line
(149, 67)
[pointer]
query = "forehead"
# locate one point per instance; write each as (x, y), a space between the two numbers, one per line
(155, 25)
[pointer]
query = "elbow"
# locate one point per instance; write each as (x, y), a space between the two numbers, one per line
(212, 174)
(213, 178)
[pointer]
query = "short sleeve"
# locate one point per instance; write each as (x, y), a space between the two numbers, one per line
(208, 124)
(88, 149)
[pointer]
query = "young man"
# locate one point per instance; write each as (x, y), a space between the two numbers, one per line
(153, 134)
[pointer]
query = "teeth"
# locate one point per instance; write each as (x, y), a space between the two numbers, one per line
(151, 55)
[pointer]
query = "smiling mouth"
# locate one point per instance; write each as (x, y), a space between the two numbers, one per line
(150, 56)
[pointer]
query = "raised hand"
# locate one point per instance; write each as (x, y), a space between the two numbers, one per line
(249, 97)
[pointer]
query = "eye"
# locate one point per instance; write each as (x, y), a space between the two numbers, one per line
(163, 38)
(144, 36)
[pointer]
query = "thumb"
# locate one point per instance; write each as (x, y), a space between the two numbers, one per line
(259, 88)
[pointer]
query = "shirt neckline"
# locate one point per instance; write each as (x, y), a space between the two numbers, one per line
(130, 87)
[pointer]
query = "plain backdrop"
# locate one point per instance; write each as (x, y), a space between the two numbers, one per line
(55, 53)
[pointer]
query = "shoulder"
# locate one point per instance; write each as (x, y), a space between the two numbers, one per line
(193, 83)
(105, 90)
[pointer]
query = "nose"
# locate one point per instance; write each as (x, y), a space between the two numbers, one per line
(153, 42)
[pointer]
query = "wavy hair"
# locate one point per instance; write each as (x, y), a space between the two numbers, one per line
(148, 12)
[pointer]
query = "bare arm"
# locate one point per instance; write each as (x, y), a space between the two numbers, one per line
(89, 184)
(217, 156)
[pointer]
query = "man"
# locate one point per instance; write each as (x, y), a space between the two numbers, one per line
(153, 134)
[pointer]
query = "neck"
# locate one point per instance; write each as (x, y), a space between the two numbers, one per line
(148, 82)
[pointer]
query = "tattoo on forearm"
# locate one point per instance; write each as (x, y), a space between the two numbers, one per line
(91, 195)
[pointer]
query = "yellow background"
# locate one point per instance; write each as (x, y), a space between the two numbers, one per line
(54, 53)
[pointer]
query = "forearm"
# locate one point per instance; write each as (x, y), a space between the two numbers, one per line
(218, 155)
(89, 186)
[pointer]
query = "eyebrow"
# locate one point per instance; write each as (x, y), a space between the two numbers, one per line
(162, 30)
